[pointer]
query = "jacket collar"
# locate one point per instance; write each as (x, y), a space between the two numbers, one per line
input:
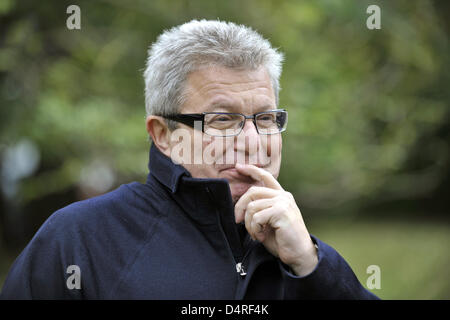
(207, 201)
(173, 175)
(185, 189)
(165, 170)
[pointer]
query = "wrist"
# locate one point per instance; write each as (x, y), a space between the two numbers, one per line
(307, 263)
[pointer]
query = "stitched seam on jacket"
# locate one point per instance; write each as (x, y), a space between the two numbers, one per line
(127, 268)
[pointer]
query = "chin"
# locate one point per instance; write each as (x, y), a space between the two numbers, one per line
(238, 189)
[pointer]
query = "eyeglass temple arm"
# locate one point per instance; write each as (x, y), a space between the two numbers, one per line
(187, 119)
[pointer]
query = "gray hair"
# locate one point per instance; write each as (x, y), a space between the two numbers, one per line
(185, 48)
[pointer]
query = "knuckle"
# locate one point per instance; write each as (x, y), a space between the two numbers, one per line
(281, 201)
(257, 218)
(289, 195)
(282, 205)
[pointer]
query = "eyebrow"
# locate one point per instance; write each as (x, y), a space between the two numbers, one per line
(228, 106)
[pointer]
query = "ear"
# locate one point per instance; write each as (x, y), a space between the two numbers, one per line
(160, 134)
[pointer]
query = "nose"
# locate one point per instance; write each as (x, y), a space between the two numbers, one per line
(247, 143)
(250, 128)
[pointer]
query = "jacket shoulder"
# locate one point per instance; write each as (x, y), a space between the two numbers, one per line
(123, 205)
(90, 234)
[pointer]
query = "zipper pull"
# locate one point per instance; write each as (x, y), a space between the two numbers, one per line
(240, 269)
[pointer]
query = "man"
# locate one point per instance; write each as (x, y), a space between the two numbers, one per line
(212, 221)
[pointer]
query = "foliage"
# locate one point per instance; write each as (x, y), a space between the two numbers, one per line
(368, 112)
(368, 109)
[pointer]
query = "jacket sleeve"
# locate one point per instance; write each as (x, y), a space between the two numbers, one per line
(39, 271)
(331, 279)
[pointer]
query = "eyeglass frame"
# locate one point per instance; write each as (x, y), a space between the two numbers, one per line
(190, 118)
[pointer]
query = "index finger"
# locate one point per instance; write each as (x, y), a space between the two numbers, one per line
(259, 174)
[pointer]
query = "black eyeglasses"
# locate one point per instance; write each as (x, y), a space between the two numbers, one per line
(223, 124)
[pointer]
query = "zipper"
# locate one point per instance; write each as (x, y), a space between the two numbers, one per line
(240, 269)
(239, 265)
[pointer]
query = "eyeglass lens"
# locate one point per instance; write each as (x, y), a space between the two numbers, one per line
(229, 124)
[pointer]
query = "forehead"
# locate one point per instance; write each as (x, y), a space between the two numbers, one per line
(218, 88)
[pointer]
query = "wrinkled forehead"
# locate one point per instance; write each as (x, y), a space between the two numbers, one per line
(223, 89)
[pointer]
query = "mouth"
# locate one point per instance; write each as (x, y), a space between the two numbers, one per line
(233, 166)
(231, 172)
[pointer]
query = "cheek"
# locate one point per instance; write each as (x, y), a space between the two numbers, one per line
(273, 147)
(217, 150)
(272, 144)
(271, 151)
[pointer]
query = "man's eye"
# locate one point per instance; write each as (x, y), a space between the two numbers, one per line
(222, 119)
(266, 118)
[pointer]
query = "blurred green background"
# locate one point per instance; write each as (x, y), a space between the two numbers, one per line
(366, 153)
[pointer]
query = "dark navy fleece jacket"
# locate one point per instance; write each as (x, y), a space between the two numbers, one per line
(173, 237)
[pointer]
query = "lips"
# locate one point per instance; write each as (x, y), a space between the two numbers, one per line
(231, 172)
(232, 166)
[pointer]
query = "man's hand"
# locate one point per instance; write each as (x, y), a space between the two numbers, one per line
(272, 217)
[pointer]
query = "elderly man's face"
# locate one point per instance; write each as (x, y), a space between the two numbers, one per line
(219, 89)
